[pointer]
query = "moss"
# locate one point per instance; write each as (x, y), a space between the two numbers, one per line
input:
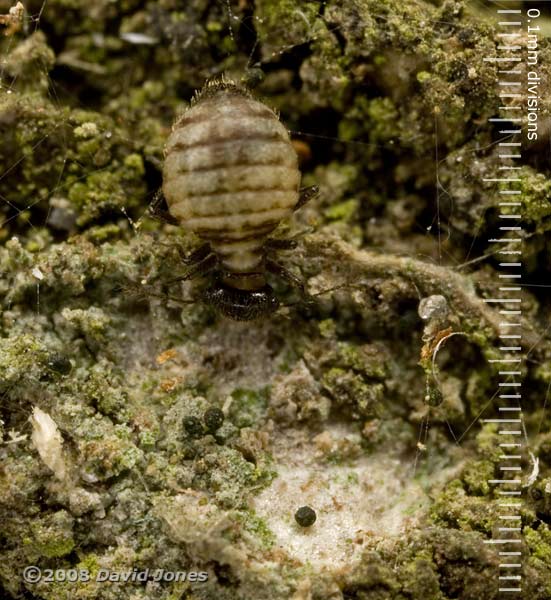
(52, 535)
(421, 580)
(476, 476)
(535, 190)
(256, 526)
(539, 543)
(248, 407)
(343, 211)
(456, 508)
(83, 130)
(231, 477)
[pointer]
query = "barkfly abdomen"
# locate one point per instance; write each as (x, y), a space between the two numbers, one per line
(230, 176)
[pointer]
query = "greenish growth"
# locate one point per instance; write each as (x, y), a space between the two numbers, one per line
(248, 407)
(343, 211)
(257, 527)
(52, 535)
(193, 427)
(459, 508)
(173, 421)
(347, 388)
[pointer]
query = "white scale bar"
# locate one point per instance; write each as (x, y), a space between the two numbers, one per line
(504, 360)
(515, 481)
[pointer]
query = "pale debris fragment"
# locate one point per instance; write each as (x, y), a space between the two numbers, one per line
(535, 470)
(16, 437)
(37, 274)
(48, 441)
(14, 19)
(138, 38)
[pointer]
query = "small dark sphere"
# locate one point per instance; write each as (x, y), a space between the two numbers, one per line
(536, 494)
(213, 419)
(59, 363)
(253, 77)
(193, 427)
(241, 305)
(305, 516)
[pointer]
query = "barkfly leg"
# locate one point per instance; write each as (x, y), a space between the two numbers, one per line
(200, 268)
(280, 244)
(156, 210)
(305, 195)
(275, 268)
(196, 256)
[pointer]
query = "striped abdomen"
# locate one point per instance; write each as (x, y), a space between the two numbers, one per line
(231, 175)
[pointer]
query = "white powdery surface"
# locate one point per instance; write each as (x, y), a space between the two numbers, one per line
(364, 499)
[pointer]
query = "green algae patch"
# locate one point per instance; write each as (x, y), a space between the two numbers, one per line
(248, 407)
(339, 401)
(52, 536)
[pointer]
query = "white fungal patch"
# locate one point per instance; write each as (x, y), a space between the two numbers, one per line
(372, 496)
(48, 441)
